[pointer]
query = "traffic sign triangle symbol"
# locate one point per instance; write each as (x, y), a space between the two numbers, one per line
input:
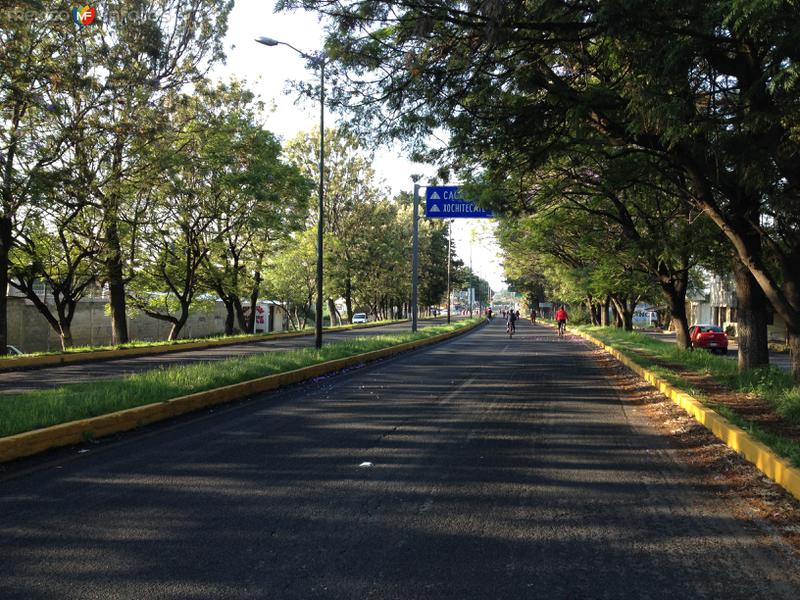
(434, 208)
(435, 196)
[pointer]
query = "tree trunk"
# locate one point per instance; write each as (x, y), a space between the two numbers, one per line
(65, 309)
(594, 311)
(230, 315)
(624, 313)
(66, 336)
(116, 285)
(676, 300)
(251, 321)
(177, 324)
(794, 354)
(751, 311)
(239, 311)
(5, 248)
(348, 298)
(604, 314)
(627, 317)
(334, 312)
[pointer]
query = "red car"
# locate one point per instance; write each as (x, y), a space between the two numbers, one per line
(709, 337)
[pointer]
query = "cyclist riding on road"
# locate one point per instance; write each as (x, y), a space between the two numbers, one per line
(511, 322)
(561, 319)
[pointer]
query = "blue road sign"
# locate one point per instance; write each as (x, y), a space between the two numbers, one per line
(445, 202)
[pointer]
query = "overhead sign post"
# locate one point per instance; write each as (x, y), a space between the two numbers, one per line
(445, 202)
(441, 202)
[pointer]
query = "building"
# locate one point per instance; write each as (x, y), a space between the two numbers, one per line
(717, 305)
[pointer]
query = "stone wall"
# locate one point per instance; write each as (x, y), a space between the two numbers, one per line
(91, 325)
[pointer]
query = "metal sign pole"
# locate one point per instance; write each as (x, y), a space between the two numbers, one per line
(414, 258)
(449, 246)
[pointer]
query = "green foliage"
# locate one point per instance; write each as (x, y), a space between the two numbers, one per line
(535, 94)
(292, 275)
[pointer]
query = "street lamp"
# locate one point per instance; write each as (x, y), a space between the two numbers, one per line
(317, 61)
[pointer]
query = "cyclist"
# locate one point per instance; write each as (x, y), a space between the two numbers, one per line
(489, 313)
(533, 316)
(511, 322)
(561, 319)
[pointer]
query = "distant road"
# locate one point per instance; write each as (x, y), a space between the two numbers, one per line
(479, 468)
(54, 376)
(776, 358)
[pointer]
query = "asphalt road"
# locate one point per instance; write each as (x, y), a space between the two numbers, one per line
(776, 358)
(495, 468)
(53, 376)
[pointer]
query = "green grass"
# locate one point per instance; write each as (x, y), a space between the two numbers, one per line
(771, 383)
(152, 344)
(34, 410)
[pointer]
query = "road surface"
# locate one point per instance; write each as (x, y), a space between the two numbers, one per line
(478, 468)
(53, 376)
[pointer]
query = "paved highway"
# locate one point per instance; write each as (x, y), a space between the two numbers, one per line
(479, 468)
(54, 376)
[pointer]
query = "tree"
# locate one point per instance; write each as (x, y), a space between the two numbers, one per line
(142, 52)
(350, 191)
(38, 61)
(56, 244)
(530, 78)
(262, 198)
(292, 275)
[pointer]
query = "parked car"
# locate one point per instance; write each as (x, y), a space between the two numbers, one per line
(359, 318)
(13, 350)
(709, 337)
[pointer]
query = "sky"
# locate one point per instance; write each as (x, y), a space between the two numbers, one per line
(267, 69)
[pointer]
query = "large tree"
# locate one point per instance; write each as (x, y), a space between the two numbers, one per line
(262, 198)
(350, 190)
(710, 86)
(142, 51)
(40, 64)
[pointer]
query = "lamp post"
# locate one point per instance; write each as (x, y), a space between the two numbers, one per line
(318, 61)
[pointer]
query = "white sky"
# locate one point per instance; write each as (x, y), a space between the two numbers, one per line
(267, 70)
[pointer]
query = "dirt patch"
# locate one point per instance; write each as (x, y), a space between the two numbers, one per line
(750, 494)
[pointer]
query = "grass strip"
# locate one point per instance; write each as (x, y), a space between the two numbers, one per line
(242, 337)
(770, 383)
(34, 410)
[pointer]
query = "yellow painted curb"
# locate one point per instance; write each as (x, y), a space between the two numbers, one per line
(75, 432)
(9, 364)
(773, 466)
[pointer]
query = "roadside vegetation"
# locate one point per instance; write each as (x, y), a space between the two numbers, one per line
(128, 174)
(769, 384)
(34, 410)
(232, 339)
(622, 173)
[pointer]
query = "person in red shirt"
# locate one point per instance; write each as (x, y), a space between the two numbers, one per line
(561, 319)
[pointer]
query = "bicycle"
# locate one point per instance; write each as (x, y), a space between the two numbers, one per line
(562, 328)
(510, 329)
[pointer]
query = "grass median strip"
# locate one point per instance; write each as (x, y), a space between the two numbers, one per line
(214, 339)
(34, 410)
(770, 384)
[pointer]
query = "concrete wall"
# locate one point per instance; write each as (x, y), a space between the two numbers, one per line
(91, 326)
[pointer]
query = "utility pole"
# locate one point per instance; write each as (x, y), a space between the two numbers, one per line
(414, 258)
(449, 246)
